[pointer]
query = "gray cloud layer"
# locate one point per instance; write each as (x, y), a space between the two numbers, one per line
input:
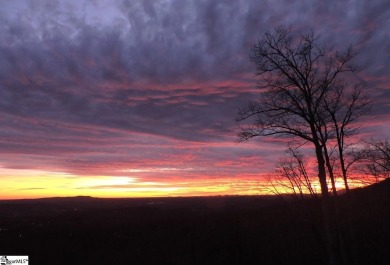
(79, 78)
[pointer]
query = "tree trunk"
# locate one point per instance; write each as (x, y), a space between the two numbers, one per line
(330, 170)
(340, 144)
(342, 164)
(341, 245)
(325, 205)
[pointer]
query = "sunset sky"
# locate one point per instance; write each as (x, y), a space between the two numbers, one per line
(139, 98)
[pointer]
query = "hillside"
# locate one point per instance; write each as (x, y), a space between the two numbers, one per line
(198, 230)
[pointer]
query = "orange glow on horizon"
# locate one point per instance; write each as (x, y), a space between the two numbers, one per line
(30, 184)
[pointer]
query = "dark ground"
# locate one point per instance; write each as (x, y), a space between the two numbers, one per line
(208, 230)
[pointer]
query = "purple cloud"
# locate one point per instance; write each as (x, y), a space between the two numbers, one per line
(101, 86)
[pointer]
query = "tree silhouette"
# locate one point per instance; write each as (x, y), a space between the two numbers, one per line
(344, 105)
(293, 175)
(306, 93)
(377, 156)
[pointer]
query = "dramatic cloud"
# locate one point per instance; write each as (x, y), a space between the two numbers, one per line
(151, 88)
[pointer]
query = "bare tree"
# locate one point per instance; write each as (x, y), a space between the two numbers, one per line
(299, 75)
(377, 156)
(344, 106)
(294, 174)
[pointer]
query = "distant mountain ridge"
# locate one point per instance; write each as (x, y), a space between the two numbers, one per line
(380, 187)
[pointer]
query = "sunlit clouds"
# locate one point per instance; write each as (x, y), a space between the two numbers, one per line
(139, 98)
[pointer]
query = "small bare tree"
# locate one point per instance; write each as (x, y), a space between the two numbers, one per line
(294, 174)
(343, 109)
(377, 156)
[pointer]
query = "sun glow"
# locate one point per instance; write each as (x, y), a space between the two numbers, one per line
(102, 181)
(25, 184)
(22, 183)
